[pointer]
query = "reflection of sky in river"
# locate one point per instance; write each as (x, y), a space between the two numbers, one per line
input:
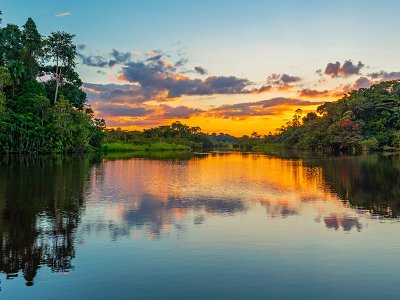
(133, 197)
(231, 226)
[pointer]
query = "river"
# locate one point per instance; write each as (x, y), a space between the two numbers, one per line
(200, 226)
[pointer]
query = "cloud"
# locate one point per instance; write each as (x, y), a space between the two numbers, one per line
(115, 57)
(63, 14)
(181, 62)
(383, 75)
(264, 89)
(278, 82)
(142, 114)
(362, 83)
(152, 77)
(120, 93)
(201, 70)
(160, 76)
(289, 79)
(154, 58)
(181, 112)
(347, 69)
(93, 60)
(81, 46)
(310, 93)
(271, 107)
(282, 79)
(126, 104)
(124, 110)
(119, 57)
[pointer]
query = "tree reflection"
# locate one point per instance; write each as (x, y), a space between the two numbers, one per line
(368, 181)
(41, 200)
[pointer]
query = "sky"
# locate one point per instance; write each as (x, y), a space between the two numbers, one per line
(230, 66)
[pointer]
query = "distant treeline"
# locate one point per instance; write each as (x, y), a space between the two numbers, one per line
(42, 106)
(365, 119)
(176, 136)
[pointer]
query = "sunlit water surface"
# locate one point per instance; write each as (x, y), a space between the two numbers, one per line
(206, 226)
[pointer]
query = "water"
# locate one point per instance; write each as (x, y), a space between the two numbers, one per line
(214, 226)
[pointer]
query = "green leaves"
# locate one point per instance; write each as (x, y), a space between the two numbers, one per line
(10, 44)
(60, 50)
(5, 78)
(29, 121)
(364, 119)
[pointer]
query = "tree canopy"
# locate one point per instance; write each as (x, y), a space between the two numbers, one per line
(365, 119)
(42, 105)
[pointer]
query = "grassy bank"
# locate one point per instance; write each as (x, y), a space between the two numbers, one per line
(168, 155)
(267, 147)
(159, 146)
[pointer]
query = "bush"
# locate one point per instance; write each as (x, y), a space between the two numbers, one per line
(369, 144)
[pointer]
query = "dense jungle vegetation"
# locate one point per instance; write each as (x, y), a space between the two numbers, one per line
(365, 119)
(42, 108)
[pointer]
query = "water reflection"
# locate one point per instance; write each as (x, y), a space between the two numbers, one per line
(368, 181)
(46, 204)
(335, 221)
(40, 206)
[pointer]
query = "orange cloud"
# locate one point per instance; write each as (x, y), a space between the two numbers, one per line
(92, 90)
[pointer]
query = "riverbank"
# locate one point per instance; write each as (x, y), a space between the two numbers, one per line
(159, 146)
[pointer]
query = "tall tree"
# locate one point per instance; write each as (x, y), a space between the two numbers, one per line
(61, 51)
(5, 78)
(17, 72)
(10, 44)
(32, 46)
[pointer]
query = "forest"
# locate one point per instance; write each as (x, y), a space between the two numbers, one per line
(44, 110)
(42, 106)
(367, 119)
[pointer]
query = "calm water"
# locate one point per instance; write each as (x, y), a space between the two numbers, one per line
(207, 226)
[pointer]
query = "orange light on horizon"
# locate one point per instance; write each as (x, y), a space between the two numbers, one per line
(209, 123)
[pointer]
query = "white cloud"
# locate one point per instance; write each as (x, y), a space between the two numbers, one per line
(63, 14)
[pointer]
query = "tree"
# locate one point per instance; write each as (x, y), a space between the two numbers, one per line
(10, 44)
(61, 51)
(364, 119)
(29, 121)
(32, 48)
(5, 78)
(17, 72)
(70, 89)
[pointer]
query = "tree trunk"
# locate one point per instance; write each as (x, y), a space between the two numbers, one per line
(57, 81)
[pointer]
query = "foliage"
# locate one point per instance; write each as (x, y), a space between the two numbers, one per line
(366, 119)
(42, 106)
(176, 134)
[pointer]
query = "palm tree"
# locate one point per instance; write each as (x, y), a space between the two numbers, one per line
(17, 72)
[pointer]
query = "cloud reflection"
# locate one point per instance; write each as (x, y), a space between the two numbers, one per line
(155, 197)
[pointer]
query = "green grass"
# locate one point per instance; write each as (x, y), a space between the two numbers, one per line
(168, 155)
(159, 146)
(268, 146)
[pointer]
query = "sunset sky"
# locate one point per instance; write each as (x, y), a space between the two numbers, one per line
(231, 66)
